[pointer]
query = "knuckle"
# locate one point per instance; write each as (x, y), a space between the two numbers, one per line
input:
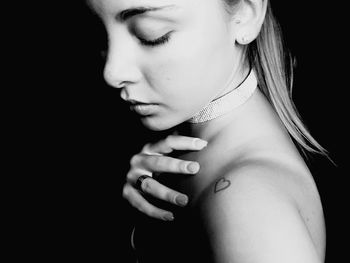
(183, 166)
(173, 165)
(146, 148)
(152, 212)
(147, 145)
(170, 197)
(129, 176)
(145, 210)
(126, 192)
(169, 140)
(146, 161)
(134, 160)
(147, 185)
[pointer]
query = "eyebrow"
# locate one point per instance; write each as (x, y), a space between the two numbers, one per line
(128, 13)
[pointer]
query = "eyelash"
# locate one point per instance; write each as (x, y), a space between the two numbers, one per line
(157, 42)
(151, 43)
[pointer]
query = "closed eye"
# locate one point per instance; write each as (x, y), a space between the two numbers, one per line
(156, 42)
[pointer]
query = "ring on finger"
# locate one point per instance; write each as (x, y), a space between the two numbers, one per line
(140, 180)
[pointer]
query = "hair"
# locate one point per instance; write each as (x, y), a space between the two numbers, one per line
(274, 67)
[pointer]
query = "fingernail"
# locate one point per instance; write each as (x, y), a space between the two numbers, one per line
(193, 167)
(168, 217)
(199, 143)
(181, 200)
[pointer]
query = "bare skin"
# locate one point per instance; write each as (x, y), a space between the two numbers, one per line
(259, 171)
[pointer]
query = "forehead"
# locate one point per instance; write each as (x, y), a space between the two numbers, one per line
(184, 10)
(126, 4)
(121, 5)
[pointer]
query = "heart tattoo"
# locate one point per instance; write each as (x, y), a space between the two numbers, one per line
(222, 184)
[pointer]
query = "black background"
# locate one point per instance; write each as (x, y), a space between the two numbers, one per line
(74, 138)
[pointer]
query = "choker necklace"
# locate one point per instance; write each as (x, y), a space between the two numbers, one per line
(228, 101)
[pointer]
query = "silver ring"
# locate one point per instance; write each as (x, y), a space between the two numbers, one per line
(139, 181)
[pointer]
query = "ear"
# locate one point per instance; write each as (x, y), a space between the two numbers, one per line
(248, 19)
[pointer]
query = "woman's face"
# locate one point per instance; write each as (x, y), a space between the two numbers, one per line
(169, 62)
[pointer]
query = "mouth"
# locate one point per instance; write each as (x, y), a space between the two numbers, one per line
(143, 109)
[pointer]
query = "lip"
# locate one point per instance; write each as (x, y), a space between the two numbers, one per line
(144, 109)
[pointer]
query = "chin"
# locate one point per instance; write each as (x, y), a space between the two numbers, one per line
(158, 124)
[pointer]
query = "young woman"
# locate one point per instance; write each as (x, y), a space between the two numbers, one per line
(212, 74)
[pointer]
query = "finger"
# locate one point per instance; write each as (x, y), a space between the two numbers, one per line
(134, 173)
(157, 190)
(159, 164)
(175, 142)
(166, 164)
(136, 200)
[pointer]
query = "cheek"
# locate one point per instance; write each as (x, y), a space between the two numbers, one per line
(195, 66)
(191, 69)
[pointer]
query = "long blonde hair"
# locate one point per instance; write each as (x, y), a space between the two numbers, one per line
(274, 67)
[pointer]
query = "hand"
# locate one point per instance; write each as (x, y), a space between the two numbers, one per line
(153, 159)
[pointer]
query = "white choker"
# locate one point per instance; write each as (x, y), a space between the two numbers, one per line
(228, 101)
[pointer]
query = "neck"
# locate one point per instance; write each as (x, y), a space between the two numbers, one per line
(207, 130)
(223, 109)
(241, 129)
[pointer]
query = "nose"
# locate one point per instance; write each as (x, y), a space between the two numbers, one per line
(121, 67)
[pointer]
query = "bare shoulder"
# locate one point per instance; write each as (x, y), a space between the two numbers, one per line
(251, 214)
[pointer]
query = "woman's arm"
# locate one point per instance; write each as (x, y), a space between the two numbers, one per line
(250, 219)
